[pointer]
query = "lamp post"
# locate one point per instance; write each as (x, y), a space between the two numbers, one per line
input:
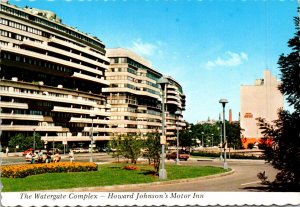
(202, 133)
(91, 136)
(212, 140)
(162, 172)
(223, 102)
(33, 139)
(221, 156)
(177, 114)
(53, 146)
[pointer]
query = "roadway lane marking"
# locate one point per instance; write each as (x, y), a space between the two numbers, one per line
(254, 182)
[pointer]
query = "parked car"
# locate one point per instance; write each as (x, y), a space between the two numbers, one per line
(56, 150)
(105, 149)
(80, 150)
(28, 156)
(27, 151)
(182, 155)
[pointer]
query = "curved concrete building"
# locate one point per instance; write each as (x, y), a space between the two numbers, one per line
(135, 97)
(52, 77)
(63, 84)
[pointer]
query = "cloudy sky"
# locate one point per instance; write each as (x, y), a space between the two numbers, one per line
(211, 47)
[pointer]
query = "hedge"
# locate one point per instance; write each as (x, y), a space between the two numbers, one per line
(24, 170)
(233, 156)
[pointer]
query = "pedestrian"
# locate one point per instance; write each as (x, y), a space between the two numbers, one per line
(48, 157)
(7, 150)
(40, 156)
(33, 156)
(56, 157)
(71, 155)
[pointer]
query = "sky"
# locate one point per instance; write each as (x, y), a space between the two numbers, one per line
(211, 47)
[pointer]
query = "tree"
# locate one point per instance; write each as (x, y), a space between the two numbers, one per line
(25, 142)
(233, 134)
(284, 153)
(131, 147)
(116, 145)
(153, 149)
(185, 138)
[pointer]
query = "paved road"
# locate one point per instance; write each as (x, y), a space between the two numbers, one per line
(243, 179)
(17, 158)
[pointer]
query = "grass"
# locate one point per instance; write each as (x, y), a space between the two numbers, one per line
(108, 174)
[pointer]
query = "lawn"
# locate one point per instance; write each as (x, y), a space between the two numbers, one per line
(108, 174)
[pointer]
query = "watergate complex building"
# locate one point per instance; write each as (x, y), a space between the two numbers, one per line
(63, 83)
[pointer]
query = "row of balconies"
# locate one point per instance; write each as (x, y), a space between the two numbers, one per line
(14, 92)
(11, 48)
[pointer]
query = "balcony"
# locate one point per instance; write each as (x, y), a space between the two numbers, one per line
(54, 60)
(13, 92)
(90, 78)
(26, 117)
(13, 105)
(85, 120)
(80, 111)
(46, 47)
(86, 50)
(28, 128)
(74, 138)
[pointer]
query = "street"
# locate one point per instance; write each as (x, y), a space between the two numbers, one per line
(243, 179)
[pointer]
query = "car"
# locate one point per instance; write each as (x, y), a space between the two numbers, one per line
(56, 150)
(105, 149)
(27, 151)
(80, 150)
(28, 156)
(182, 155)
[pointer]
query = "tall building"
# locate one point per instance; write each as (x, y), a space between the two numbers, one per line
(64, 84)
(52, 77)
(175, 101)
(135, 97)
(263, 99)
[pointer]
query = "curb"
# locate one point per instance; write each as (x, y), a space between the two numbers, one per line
(120, 187)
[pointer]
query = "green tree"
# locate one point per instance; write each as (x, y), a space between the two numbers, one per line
(128, 146)
(233, 134)
(185, 138)
(25, 142)
(116, 145)
(131, 147)
(284, 153)
(153, 149)
(209, 132)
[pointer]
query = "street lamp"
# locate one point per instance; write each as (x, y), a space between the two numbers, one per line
(212, 140)
(162, 172)
(177, 114)
(91, 136)
(202, 133)
(33, 139)
(221, 156)
(223, 102)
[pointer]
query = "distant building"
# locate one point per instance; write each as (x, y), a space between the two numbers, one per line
(135, 97)
(263, 99)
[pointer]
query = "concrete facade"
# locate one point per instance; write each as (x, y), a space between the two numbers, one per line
(263, 99)
(59, 82)
(135, 96)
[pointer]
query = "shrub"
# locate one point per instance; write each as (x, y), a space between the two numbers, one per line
(130, 167)
(232, 156)
(24, 170)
